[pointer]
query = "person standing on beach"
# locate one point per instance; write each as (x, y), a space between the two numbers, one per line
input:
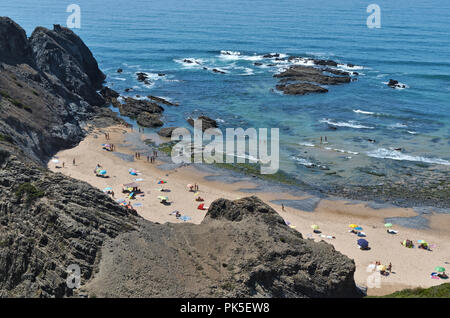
(73, 161)
(326, 139)
(63, 164)
(282, 207)
(112, 193)
(320, 139)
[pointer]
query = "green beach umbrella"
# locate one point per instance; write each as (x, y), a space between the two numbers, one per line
(315, 227)
(388, 225)
(439, 269)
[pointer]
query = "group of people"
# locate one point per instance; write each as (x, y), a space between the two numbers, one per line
(388, 268)
(193, 188)
(323, 139)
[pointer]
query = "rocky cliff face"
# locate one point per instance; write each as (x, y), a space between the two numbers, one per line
(48, 221)
(243, 248)
(48, 88)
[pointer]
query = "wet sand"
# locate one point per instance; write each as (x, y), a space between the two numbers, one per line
(411, 267)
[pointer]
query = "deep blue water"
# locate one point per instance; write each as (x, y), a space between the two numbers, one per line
(412, 46)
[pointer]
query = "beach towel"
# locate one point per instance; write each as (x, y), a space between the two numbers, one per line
(361, 234)
(185, 218)
(139, 179)
(138, 204)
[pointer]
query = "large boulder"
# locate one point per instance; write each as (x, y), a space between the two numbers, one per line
(242, 248)
(166, 131)
(145, 119)
(133, 107)
(206, 122)
(14, 46)
(60, 53)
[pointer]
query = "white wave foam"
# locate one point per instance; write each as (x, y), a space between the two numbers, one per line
(411, 132)
(306, 144)
(383, 153)
(342, 151)
(349, 124)
(303, 161)
(359, 111)
(398, 125)
(348, 67)
(234, 56)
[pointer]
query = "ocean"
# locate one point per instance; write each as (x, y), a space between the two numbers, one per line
(411, 46)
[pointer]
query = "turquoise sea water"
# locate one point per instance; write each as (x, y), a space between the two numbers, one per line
(412, 46)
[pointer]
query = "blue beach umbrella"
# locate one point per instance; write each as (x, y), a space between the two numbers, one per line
(358, 228)
(102, 172)
(363, 243)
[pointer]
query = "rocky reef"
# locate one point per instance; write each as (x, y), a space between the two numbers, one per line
(301, 80)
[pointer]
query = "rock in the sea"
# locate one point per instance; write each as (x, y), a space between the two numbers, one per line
(206, 122)
(162, 100)
(395, 84)
(166, 131)
(271, 55)
(300, 88)
(141, 77)
(145, 119)
(311, 74)
(300, 80)
(215, 70)
(133, 107)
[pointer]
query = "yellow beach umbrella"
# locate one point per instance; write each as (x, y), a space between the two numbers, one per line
(353, 226)
(381, 268)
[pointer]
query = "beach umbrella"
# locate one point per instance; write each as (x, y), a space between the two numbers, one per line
(421, 242)
(102, 172)
(315, 227)
(353, 226)
(107, 189)
(363, 243)
(439, 269)
(55, 160)
(163, 198)
(162, 182)
(388, 225)
(381, 268)
(358, 228)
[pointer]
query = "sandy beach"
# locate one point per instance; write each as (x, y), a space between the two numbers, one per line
(410, 267)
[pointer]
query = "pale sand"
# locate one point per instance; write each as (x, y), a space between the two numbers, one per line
(411, 267)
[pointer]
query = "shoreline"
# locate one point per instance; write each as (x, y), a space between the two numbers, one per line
(332, 214)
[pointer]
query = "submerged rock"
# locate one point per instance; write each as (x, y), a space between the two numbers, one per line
(146, 119)
(206, 122)
(166, 131)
